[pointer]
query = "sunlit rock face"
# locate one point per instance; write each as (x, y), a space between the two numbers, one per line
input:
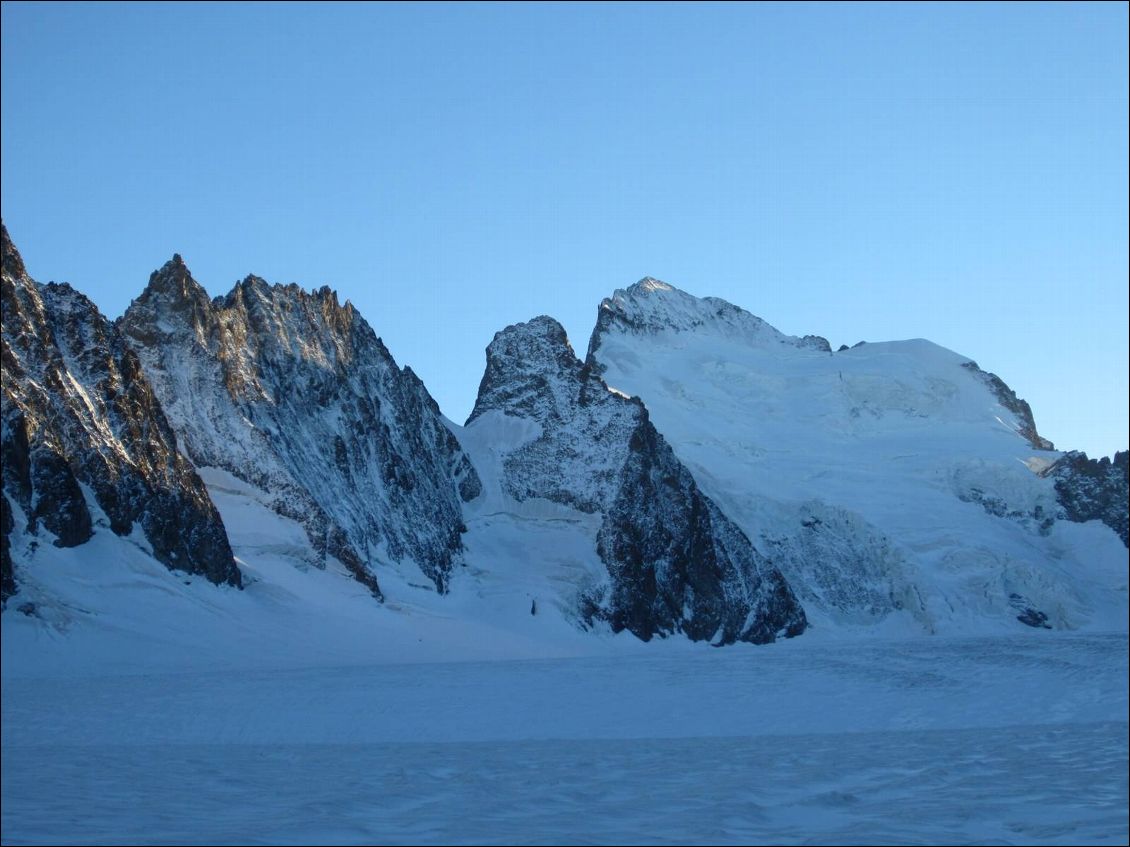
(294, 393)
(86, 443)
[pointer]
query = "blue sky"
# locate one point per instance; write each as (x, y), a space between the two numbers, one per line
(953, 172)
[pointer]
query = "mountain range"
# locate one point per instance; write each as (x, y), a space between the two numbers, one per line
(697, 474)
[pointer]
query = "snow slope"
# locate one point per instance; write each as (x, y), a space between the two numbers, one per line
(109, 607)
(889, 482)
(1009, 740)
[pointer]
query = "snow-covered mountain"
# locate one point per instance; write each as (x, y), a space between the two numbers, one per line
(293, 394)
(549, 429)
(85, 443)
(890, 482)
(700, 474)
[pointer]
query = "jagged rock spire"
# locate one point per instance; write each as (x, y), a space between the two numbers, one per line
(78, 417)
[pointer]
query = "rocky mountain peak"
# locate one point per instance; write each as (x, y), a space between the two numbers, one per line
(288, 311)
(173, 294)
(254, 287)
(293, 393)
(542, 338)
(173, 276)
(86, 444)
(530, 367)
(675, 564)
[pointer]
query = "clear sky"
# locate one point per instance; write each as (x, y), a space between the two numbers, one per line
(952, 172)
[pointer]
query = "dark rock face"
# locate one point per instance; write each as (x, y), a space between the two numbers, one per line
(77, 412)
(1028, 616)
(293, 393)
(817, 342)
(675, 562)
(1094, 489)
(1007, 398)
(61, 507)
(7, 572)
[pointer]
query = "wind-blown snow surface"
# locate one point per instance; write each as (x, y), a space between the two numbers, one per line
(889, 482)
(1019, 739)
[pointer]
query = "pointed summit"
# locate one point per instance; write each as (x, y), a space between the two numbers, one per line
(173, 278)
(174, 297)
(649, 284)
(173, 270)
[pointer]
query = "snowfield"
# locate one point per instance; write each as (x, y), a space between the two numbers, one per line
(143, 706)
(934, 740)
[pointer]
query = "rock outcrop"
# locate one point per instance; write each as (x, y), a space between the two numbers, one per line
(85, 438)
(675, 563)
(1094, 489)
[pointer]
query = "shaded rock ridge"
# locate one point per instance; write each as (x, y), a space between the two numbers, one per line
(1094, 489)
(675, 563)
(294, 393)
(85, 440)
(651, 307)
(1007, 398)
